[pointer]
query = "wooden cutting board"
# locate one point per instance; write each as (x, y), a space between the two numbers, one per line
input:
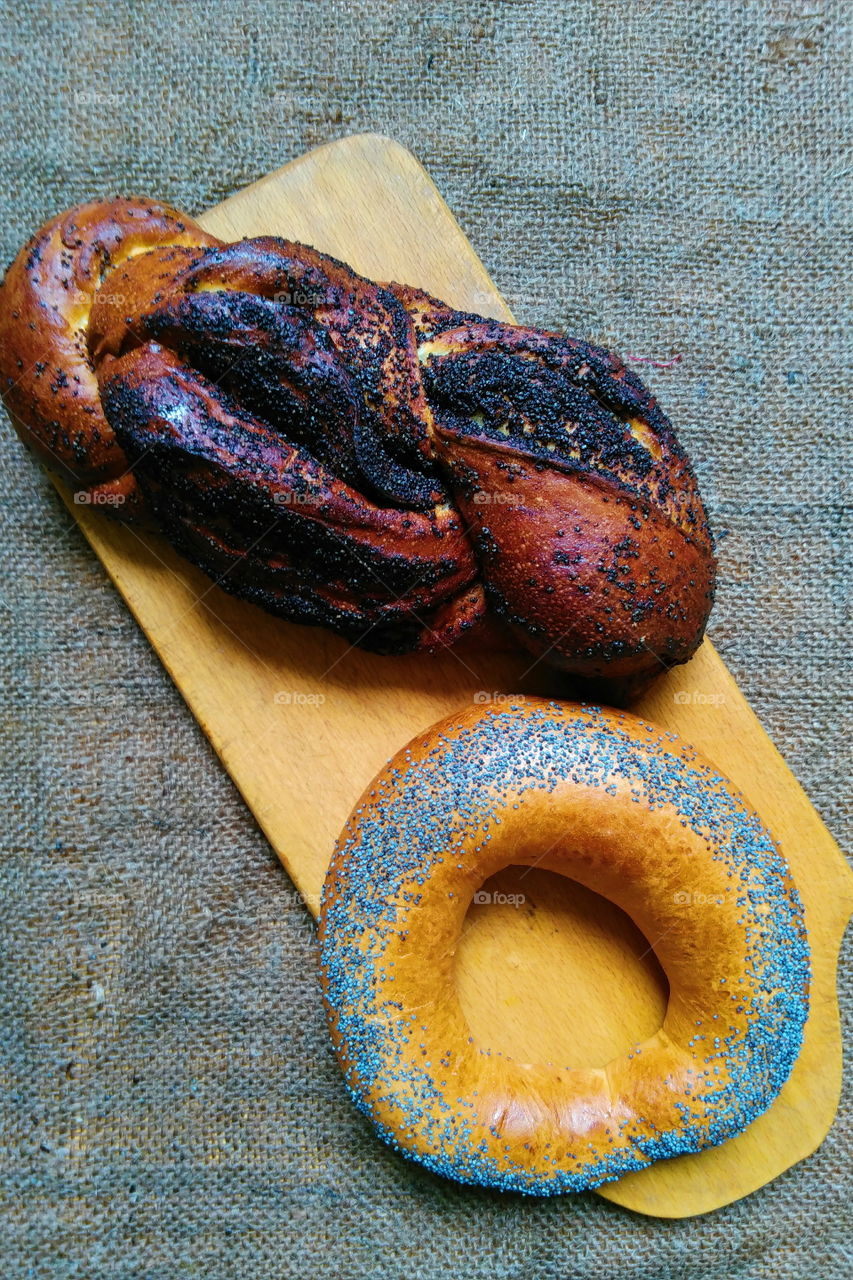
(302, 722)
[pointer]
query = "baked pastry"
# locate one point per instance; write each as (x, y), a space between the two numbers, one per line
(355, 455)
(632, 813)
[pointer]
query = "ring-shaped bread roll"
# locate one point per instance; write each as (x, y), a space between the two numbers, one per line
(634, 814)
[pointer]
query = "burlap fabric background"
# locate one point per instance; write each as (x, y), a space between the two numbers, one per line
(668, 178)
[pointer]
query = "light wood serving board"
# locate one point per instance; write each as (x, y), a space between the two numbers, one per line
(302, 722)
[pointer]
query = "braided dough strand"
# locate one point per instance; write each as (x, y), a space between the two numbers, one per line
(352, 454)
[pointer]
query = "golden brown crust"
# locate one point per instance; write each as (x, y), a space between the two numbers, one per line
(47, 376)
(633, 814)
(355, 454)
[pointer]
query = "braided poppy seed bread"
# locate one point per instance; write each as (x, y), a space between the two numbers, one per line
(49, 381)
(630, 812)
(355, 455)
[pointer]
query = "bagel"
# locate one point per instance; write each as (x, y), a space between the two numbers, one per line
(631, 812)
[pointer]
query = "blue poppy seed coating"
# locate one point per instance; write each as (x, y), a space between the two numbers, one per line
(432, 815)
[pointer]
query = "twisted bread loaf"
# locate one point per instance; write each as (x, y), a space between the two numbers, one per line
(355, 455)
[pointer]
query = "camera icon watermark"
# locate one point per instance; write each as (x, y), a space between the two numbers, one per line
(698, 698)
(498, 498)
(295, 897)
(304, 296)
(91, 498)
(92, 96)
(689, 898)
(484, 898)
(292, 499)
(296, 698)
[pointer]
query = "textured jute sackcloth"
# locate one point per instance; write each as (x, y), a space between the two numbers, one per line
(669, 179)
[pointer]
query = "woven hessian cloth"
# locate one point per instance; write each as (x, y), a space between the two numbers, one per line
(664, 178)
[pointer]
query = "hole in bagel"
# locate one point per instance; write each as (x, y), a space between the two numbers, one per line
(548, 971)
